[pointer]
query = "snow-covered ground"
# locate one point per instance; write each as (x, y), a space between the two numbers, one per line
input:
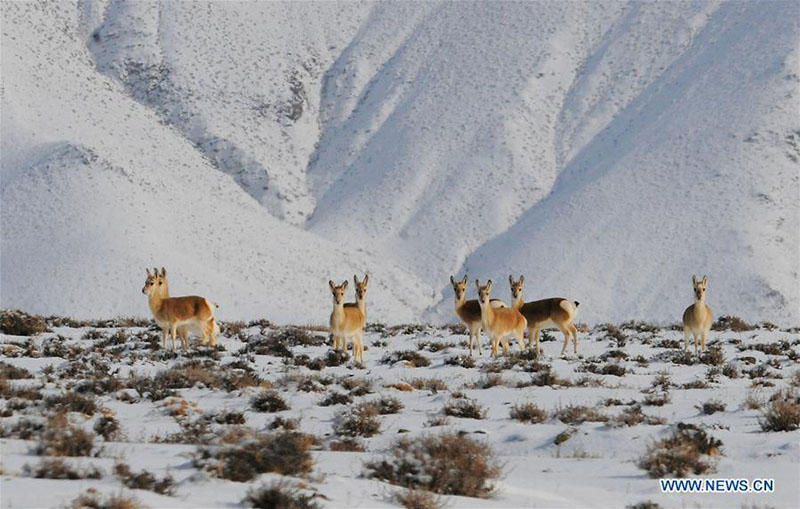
(596, 466)
(606, 150)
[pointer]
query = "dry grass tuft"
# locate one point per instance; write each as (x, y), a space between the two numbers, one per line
(465, 408)
(278, 495)
(782, 412)
(19, 323)
(528, 412)
(448, 464)
(685, 452)
(285, 452)
(357, 421)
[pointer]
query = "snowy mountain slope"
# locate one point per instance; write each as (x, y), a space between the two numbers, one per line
(240, 80)
(449, 141)
(682, 181)
(88, 203)
(573, 142)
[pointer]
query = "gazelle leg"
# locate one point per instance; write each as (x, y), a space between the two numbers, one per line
(506, 348)
(478, 340)
(703, 340)
(521, 339)
(574, 331)
(536, 339)
(694, 335)
(471, 333)
(685, 339)
(566, 340)
(173, 331)
(361, 348)
(164, 333)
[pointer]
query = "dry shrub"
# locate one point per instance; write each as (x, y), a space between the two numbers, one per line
(647, 504)
(465, 408)
(268, 401)
(357, 386)
(71, 402)
(411, 357)
(19, 323)
(336, 398)
(56, 468)
(528, 412)
(577, 414)
(489, 381)
(657, 399)
(296, 336)
(281, 423)
(91, 500)
(61, 439)
(435, 420)
(346, 445)
(685, 452)
(448, 464)
(389, 405)
(782, 412)
(285, 452)
(144, 480)
(733, 323)
(107, 425)
(417, 499)
(632, 416)
(278, 495)
(429, 384)
(711, 407)
(402, 387)
(9, 372)
(357, 421)
(465, 361)
(713, 356)
(613, 369)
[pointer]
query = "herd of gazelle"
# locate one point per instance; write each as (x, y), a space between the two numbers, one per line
(179, 316)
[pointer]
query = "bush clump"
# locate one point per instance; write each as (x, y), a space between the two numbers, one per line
(733, 323)
(285, 452)
(268, 401)
(448, 464)
(358, 421)
(577, 414)
(782, 412)
(389, 405)
(411, 357)
(144, 480)
(61, 439)
(685, 452)
(528, 412)
(712, 406)
(19, 323)
(465, 408)
(278, 495)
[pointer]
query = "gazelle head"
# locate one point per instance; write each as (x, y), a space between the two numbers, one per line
(460, 287)
(700, 287)
(361, 286)
(152, 284)
(338, 292)
(516, 287)
(483, 292)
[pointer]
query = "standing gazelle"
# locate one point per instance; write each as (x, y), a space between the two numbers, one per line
(500, 323)
(184, 330)
(470, 311)
(173, 312)
(697, 318)
(347, 321)
(553, 312)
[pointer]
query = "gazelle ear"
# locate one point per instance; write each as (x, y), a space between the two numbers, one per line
(355, 279)
(330, 283)
(344, 285)
(366, 279)
(452, 280)
(521, 279)
(465, 279)
(694, 279)
(705, 280)
(478, 284)
(511, 280)
(155, 271)
(148, 272)
(489, 285)
(163, 272)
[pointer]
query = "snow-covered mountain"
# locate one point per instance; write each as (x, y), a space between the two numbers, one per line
(605, 150)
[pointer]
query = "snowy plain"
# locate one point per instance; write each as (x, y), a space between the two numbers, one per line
(596, 466)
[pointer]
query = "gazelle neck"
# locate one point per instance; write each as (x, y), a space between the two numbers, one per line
(154, 300)
(487, 311)
(460, 301)
(518, 302)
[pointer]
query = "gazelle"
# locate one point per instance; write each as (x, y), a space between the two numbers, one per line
(500, 322)
(173, 312)
(360, 303)
(697, 318)
(469, 311)
(184, 330)
(546, 313)
(347, 321)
